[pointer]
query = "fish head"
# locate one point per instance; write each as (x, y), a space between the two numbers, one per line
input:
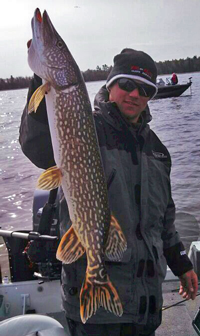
(48, 55)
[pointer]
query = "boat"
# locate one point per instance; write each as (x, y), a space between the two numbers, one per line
(168, 90)
(30, 299)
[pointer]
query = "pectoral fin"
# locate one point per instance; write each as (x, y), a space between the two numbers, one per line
(116, 243)
(70, 248)
(50, 179)
(37, 97)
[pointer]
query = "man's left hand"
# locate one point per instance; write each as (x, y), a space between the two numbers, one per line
(189, 285)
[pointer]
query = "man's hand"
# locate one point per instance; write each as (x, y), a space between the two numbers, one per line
(189, 285)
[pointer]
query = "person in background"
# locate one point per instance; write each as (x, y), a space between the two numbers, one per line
(174, 79)
(137, 166)
(160, 82)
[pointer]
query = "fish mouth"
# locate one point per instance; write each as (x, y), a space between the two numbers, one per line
(42, 26)
(41, 39)
(43, 35)
(38, 16)
(43, 31)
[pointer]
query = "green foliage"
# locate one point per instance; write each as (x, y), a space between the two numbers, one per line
(101, 73)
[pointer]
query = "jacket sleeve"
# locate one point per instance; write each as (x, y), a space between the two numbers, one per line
(174, 250)
(34, 134)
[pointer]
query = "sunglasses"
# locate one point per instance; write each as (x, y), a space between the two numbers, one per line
(129, 85)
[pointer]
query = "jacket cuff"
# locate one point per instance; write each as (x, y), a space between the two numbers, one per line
(177, 259)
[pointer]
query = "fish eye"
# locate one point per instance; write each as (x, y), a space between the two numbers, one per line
(60, 44)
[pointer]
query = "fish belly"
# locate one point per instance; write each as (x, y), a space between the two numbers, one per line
(77, 154)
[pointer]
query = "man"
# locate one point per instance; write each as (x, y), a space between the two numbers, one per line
(174, 79)
(137, 167)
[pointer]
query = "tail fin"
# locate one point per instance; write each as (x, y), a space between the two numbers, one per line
(94, 296)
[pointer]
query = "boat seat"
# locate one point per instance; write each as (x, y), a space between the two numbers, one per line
(31, 325)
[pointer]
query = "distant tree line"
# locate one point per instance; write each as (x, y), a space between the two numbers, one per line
(101, 73)
(14, 83)
(179, 66)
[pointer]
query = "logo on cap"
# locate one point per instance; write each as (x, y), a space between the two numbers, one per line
(144, 72)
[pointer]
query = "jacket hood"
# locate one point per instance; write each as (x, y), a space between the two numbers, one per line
(102, 97)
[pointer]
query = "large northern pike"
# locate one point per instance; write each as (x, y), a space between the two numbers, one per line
(78, 166)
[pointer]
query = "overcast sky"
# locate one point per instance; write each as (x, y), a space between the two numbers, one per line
(96, 30)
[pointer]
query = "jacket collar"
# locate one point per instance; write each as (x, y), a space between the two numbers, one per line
(114, 117)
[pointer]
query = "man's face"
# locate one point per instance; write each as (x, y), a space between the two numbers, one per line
(131, 104)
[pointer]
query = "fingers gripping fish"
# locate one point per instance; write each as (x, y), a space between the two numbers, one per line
(78, 169)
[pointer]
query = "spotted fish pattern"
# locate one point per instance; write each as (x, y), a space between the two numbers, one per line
(79, 170)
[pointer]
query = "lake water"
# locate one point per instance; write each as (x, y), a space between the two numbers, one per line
(175, 120)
